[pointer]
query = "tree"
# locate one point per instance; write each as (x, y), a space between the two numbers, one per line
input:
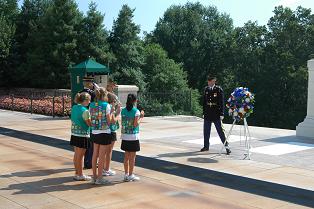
(165, 76)
(197, 36)
(56, 41)
(27, 26)
(127, 49)
(7, 30)
(163, 73)
(93, 37)
(8, 12)
(9, 9)
(290, 44)
(124, 30)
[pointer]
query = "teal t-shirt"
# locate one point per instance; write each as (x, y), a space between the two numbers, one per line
(79, 127)
(127, 121)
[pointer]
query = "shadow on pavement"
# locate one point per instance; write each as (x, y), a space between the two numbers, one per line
(53, 185)
(43, 172)
(268, 189)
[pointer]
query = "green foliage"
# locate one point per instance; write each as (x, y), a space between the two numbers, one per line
(127, 49)
(7, 30)
(163, 74)
(124, 30)
(8, 13)
(197, 36)
(167, 85)
(27, 26)
(56, 38)
(92, 37)
(9, 9)
(170, 65)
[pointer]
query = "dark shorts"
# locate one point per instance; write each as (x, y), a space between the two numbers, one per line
(81, 142)
(102, 139)
(113, 136)
(130, 146)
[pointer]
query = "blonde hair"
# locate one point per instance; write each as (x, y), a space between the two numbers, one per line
(101, 94)
(81, 97)
(111, 98)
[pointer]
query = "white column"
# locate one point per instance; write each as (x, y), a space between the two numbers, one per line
(306, 128)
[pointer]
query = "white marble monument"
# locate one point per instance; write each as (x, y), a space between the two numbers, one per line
(306, 128)
(123, 90)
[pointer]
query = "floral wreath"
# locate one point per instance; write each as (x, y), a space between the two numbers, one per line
(240, 103)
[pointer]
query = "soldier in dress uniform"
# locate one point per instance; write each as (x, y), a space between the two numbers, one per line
(213, 111)
(88, 88)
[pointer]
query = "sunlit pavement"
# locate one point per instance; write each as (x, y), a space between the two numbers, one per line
(36, 168)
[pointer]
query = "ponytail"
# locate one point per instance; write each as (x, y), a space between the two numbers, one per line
(111, 98)
(130, 101)
(101, 94)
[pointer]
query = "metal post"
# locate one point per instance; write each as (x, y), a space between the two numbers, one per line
(247, 141)
(32, 103)
(227, 138)
(191, 102)
(62, 104)
(175, 102)
(53, 106)
(12, 105)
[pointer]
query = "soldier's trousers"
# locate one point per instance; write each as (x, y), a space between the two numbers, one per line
(88, 156)
(207, 129)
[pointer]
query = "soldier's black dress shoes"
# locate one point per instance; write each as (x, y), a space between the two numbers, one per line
(204, 149)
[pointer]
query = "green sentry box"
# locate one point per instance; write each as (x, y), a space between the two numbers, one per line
(86, 68)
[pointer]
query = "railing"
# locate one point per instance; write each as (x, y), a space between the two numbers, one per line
(58, 102)
(165, 103)
(46, 102)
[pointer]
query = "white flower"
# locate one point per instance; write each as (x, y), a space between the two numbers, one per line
(248, 107)
(241, 110)
(247, 100)
(235, 114)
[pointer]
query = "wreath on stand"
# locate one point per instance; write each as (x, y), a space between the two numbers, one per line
(240, 103)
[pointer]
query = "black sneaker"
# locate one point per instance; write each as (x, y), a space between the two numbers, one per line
(204, 149)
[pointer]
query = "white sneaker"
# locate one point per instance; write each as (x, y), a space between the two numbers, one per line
(108, 173)
(101, 181)
(133, 178)
(126, 176)
(82, 178)
(93, 180)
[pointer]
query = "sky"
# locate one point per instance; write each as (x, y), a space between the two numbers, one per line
(148, 12)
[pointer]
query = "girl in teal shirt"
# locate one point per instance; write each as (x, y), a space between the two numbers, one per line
(131, 119)
(81, 122)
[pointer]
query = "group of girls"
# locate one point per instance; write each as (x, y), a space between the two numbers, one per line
(98, 122)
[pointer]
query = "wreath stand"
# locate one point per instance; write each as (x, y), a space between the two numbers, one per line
(247, 136)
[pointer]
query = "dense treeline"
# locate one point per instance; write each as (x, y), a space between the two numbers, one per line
(42, 38)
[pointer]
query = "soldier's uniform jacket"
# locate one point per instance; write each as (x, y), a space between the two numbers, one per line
(213, 103)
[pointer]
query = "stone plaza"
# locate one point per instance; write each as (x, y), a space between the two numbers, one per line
(36, 168)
